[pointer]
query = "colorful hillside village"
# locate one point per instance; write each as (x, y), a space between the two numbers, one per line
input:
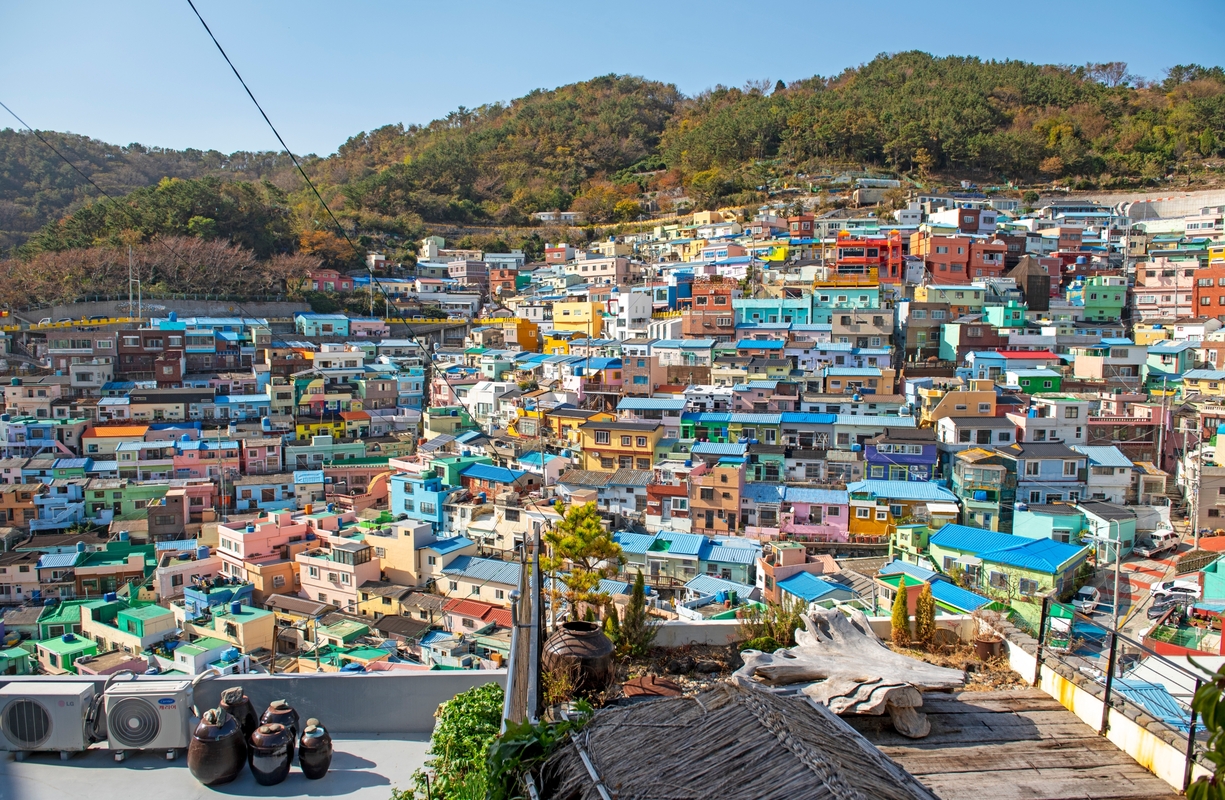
(1002, 404)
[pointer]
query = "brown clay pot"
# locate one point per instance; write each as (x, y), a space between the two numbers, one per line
(239, 707)
(270, 754)
(583, 647)
(282, 713)
(988, 647)
(217, 750)
(315, 750)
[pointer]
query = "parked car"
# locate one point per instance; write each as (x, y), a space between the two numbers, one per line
(98, 318)
(64, 319)
(45, 321)
(1161, 605)
(1086, 599)
(1177, 588)
(1156, 543)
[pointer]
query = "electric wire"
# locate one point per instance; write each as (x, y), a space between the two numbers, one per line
(370, 271)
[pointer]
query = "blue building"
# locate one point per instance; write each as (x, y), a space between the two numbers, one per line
(1046, 472)
(264, 493)
(420, 497)
(902, 454)
(311, 324)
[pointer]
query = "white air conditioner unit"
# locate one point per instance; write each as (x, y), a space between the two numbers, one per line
(44, 716)
(148, 715)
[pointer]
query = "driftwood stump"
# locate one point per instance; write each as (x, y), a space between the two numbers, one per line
(847, 668)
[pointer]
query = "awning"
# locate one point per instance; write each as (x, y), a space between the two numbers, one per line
(970, 561)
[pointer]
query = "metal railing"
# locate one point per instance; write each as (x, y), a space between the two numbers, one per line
(1131, 674)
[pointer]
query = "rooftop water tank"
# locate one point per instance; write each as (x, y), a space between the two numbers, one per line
(251, 528)
(236, 607)
(124, 536)
(855, 448)
(1081, 260)
(174, 316)
(68, 637)
(110, 597)
(80, 547)
(980, 495)
(201, 553)
(1032, 413)
(1021, 507)
(15, 382)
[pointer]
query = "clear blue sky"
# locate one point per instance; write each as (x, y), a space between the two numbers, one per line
(144, 70)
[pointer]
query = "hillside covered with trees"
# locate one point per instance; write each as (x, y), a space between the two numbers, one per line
(613, 146)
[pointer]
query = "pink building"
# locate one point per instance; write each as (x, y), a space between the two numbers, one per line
(262, 455)
(333, 574)
(206, 459)
(1165, 289)
(804, 515)
(368, 328)
(264, 551)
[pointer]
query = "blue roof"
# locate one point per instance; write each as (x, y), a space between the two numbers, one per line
(1039, 555)
(651, 404)
(72, 463)
(484, 569)
(881, 420)
(913, 570)
(904, 490)
(486, 472)
(853, 372)
(720, 449)
(828, 497)
(809, 418)
(1104, 456)
(57, 560)
(761, 344)
(725, 551)
(602, 363)
(177, 544)
(1204, 375)
(952, 595)
(683, 544)
(809, 587)
(763, 492)
(756, 419)
(444, 546)
(762, 384)
(430, 637)
(634, 542)
(709, 584)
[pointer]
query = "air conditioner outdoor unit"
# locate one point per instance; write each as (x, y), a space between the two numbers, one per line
(148, 715)
(44, 716)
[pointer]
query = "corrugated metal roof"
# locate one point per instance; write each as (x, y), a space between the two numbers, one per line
(57, 560)
(1104, 456)
(630, 477)
(827, 497)
(904, 490)
(636, 543)
(809, 587)
(757, 419)
(853, 372)
(897, 566)
(709, 584)
(763, 492)
(720, 449)
(682, 544)
(808, 418)
(484, 569)
(487, 472)
(651, 404)
(444, 546)
(952, 595)
(881, 420)
(725, 552)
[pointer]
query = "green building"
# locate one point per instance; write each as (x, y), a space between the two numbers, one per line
(58, 655)
(122, 497)
(16, 661)
(1005, 566)
(1008, 316)
(1035, 381)
(449, 468)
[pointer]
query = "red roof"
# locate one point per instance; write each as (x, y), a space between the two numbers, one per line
(1027, 354)
(354, 415)
(478, 610)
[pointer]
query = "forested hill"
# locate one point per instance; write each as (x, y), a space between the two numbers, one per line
(610, 145)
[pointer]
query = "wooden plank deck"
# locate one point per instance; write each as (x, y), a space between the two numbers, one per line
(1012, 745)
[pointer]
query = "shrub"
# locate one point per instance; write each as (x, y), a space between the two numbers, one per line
(637, 629)
(901, 618)
(466, 726)
(925, 617)
(777, 621)
(765, 644)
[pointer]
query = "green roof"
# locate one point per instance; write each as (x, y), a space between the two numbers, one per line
(146, 613)
(14, 652)
(365, 653)
(57, 645)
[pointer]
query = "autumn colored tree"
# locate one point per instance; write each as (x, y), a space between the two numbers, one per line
(332, 250)
(900, 622)
(584, 552)
(925, 617)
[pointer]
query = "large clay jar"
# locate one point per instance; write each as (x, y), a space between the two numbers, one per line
(582, 648)
(282, 713)
(315, 750)
(270, 754)
(217, 750)
(239, 707)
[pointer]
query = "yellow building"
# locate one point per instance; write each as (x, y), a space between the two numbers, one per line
(409, 555)
(563, 423)
(1146, 333)
(379, 598)
(1204, 382)
(610, 445)
(524, 332)
(962, 298)
(579, 317)
(557, 343)
(1216, 255)
(878, 507)
(957, 399)
(306, 428)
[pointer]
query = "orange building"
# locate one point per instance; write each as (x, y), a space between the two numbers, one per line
(714, 496)
(860, 255)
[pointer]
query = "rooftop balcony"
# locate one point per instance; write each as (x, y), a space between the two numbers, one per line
(378, 744)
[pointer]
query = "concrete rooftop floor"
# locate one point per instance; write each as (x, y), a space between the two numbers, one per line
(364, 767)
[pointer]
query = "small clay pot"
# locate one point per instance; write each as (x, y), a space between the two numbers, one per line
(239, 707)
(282, 713)
(217, 750)
(315, 750)
(270, 754)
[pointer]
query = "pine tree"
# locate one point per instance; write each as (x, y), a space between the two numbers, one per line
(612, 624)
(925, 617)
(637, 632)
(584, 552)
(901, 619)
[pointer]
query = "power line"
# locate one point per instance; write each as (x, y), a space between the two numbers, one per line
(370, 271)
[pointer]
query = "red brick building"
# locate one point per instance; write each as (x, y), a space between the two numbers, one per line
(711, 316)
(1209, 296)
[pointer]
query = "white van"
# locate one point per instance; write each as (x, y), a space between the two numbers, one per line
(1159, 541)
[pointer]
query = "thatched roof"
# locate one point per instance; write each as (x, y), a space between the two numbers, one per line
(729, 743)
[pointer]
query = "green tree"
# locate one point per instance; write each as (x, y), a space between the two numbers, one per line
(900, 623)
(1030, 197)
(637, 630)
(925, 617)
(580, 547)
(612, 624)
(1208, 704)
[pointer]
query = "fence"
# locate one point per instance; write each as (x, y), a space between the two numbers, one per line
(1138, 689)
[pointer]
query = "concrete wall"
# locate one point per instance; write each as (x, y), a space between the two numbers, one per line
(387, 702)
(160, 307)
(680, 632)
(1157, 748)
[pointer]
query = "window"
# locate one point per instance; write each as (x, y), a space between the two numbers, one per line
(706, 494)
(1027, 587)
(453, 586)
(313, 572)
(863, 513)
(602, 437)
(432, 560)
(997, 580)
(1069, 467)
(640, 441)
(428, 508)
(984, 408)
(1032, 467)
(1035, 497)
(882, 515)
(625, 440)
(964, 437)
